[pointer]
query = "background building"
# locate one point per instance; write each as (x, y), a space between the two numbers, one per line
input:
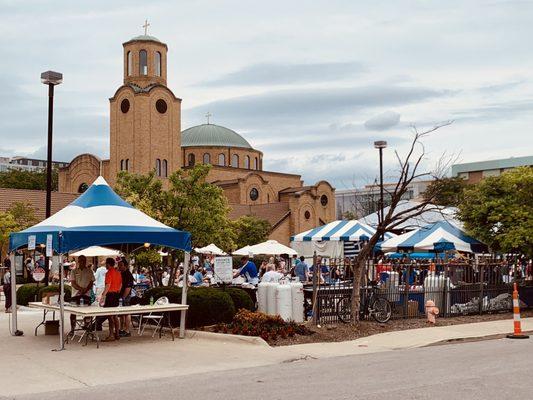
(365, 201)
(145, 136)
(28, 164)
(475, 171)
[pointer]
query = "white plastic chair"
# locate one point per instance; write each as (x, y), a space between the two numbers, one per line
(157, 317)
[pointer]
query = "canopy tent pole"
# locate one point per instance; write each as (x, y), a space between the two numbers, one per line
(13, 288)
(184, 292)
(61, 305)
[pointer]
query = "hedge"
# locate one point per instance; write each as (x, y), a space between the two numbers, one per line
(207, 306)
(240, 299)
(31, 292)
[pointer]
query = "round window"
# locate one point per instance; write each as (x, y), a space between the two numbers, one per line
(254, 194)
(307, 215)
(125, 106)
(83, 187)
(324, 200)
(161, 106)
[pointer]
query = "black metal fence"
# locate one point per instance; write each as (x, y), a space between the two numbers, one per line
(455, 287)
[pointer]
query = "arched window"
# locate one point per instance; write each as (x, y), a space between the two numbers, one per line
(235, 161)
(191, 160)
(207, 158)
(164, 168)
(127, 164)
(122, 165)
(143, 62)
(247, 162)
(157, 63)
(130, 63)
(158, 167)
(256, 163)
(222, 159)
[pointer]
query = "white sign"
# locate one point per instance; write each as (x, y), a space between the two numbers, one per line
(49, 250)
(223, 269)
(31, 242)
(38, 274)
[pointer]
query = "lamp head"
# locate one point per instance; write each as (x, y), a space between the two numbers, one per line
(51, 78)
(380, 144)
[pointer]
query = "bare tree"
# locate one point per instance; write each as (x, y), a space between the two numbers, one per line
(409, 171)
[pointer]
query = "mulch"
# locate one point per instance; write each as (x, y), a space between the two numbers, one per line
(342, 332)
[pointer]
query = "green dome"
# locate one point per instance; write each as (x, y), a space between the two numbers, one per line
(145, 38)
(212, 135)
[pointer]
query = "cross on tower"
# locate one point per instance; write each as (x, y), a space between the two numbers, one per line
(208, 115)
(145, 26)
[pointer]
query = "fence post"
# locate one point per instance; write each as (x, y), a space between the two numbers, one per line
(406, 292)
(314, 318)
(481, 269)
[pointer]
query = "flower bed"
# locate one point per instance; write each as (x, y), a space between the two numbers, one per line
(268, 327)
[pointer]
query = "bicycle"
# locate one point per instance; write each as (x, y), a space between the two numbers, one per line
(373, 306)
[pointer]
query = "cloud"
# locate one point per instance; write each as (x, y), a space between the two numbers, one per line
(305, 105)
(66, 150)
(275, 74)
(383, 121)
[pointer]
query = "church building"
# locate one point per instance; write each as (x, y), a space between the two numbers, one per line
(146, 135)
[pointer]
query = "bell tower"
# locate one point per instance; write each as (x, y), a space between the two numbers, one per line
(145, 116)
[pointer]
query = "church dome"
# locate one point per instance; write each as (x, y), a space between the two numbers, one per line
(145, 38)
(212, 135)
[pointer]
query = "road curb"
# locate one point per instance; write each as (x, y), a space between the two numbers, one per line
(227, 338)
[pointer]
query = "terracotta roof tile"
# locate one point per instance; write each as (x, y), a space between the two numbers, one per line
(36, 198)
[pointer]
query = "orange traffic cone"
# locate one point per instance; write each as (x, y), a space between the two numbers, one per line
(516, 317)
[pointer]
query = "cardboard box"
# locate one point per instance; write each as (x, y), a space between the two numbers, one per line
(51, 328)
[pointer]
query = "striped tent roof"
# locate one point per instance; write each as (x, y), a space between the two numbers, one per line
(439, 236)
(346, 231)
(100, 217)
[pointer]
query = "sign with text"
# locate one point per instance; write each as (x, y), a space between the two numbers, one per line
(223, 269)
(49, 249)
(31, 242)
(38, 274)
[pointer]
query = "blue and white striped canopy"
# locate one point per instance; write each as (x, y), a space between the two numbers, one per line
(100, 217)
(346, 231)
(439, 236)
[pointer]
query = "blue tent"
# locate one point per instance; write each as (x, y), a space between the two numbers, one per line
(437, 237)
(99, 217)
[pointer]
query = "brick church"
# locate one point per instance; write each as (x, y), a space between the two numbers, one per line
(146, 135)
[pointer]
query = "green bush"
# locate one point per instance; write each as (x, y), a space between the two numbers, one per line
(26, 293)
(55, 289)
(207, 306)
(240, 299)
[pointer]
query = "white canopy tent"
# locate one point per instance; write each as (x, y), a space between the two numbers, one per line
(270, 247)
(210, 249)
(97, 251)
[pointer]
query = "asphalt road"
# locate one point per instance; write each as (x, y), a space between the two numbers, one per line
(495, 369)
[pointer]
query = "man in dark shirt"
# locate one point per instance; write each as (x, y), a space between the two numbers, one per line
(125, 294)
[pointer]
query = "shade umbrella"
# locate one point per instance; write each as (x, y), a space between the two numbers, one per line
(270, 247)
(244, 251)
(210, 249)
(97, 251)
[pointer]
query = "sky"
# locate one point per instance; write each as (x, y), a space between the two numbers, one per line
(312, 84)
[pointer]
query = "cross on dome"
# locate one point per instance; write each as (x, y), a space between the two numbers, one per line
(207, 116)
(145, 26)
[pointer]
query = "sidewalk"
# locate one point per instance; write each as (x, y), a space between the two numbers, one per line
(29, 366)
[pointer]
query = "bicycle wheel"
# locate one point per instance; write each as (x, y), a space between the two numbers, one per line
(381, 310)
(344, 310)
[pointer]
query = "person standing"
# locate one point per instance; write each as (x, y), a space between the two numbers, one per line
(301, 270)
(111, 296)
(248, 271)
(99, 281)
(125, 293)
(271, 275)
(7, 289)
(81, 280)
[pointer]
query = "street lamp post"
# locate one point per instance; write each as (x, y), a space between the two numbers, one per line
(380, 145)
(51, 79)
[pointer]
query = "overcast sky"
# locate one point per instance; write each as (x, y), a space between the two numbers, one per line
(310, 83)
